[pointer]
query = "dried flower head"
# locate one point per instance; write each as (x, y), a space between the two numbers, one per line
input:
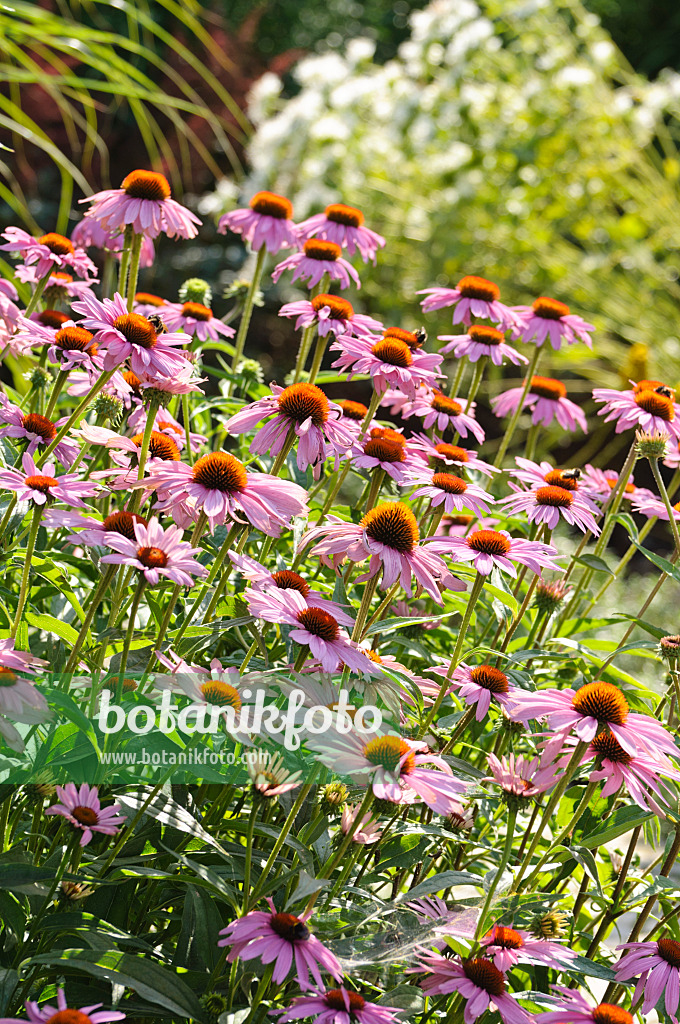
(550, 926)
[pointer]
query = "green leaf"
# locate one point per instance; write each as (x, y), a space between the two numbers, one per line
(25, 878)
(594, 563)
(617, 824)
(9, 980)
(582, 965)
(440, 882)
(387, 625)
(54, 626)
(158, 985)
(168, 812)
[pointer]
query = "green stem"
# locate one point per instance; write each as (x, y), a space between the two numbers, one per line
(130, 630)
(457, 380)
(507, 849)
(321, 343)
(374, 489)
(134, 270)
(512, 425)
(30, 548)
(367, 597)
(62, 377)
(573, 822)
(283, 454)
(667, 502)
(96, 600)
(249, 857)
(125, 260)
(75, 416)
(143, 454)
(187, 429)
(7, 516)
(476, 381)
(239, 344)
(37, 294)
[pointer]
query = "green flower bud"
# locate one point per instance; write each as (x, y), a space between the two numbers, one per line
(195, 289)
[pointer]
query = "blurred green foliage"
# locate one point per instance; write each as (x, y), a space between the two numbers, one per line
(647, 31)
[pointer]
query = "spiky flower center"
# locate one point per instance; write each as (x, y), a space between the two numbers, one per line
(33, 423)
(558, 497)
(506, 938)
(149, 299)
(301, 402)
(483, 335)
(62, 278)
(197, 311)
(320, 249)
(489, 542)
(602, 701)
(449, 483)
(286, 579)
(57, 244)
(7, 676)
(548, 387)
(472, 287)
(340, 309)
(85, 815)
(348, 215)
(607, 1013)
(669, 950)
(387, 752)
(152, 558)
(223, 695)
(440, 403)
(319, 623)
(384, 450)
(393, 524)
(452, 452)
(567, 479)
(272, 205)
(289, 927)
(393, 351)
(75, 339)
(549, 309)
(41, 483)
(413, 339)
(352, 410)
(653, 385)
(490, 678)
(219, 471)
(69, 1017)
(136, 329)
(52, 318)
(388, 434)
(484, 975)
(657, 404)
(124, 523)
(160, 446)
(334, 1001)
(146, 185)
(607, 746)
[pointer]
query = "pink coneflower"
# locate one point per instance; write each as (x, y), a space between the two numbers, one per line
(285, 579)
(330, 313)
(656, 965)
(317, 423)
(143, 202)
(161, 445)
(383, 453)
(547, 399)
(194, 319)
(472, 296)
(63, 1014)
(124, 386)
(266, 221)
(70, 347)
(92, 532)
(538, 474)
(389, 536)
(460, 923)
(440, 453)
(130, 336)
(339, 1006)
(41, 486)
(312, 627)
(165, 423)
(367, 832)
(478, 980)
(389, 362)
(585, 711)
(316, 259)
(480, 341)
(60, 285)
(639, 773)
(519, 777)
(37, 430)
(280, 938)
(89, 233)
(219, 485)
(648, 405)
(156, 552)
(547, 504)
(479, 684)
(18, 661)
(489, 549)
(19, 698)
(451, 491)
(577, 1010)
(49, 252)
(269, 777)
(437, 410)
(548, 319)
(507, 947)
(649, 505)
(343, 225)
(394, 768)
(599, 484)
(82, 809)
